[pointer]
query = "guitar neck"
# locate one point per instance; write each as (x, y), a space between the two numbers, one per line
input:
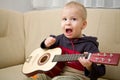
(68, 57)
(101, 58)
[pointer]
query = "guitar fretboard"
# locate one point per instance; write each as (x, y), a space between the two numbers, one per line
(68, 57)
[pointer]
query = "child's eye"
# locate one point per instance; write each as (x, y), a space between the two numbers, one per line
(64, 19)
(74, 19)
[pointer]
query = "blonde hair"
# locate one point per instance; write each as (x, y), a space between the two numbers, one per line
(78, 6)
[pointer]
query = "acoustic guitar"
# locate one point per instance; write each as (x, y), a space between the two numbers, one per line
(50, 61)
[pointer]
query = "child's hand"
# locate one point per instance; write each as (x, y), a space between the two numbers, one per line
(85, 62)
(49, 41)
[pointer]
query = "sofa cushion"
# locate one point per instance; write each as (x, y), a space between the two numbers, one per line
(11, 38)
(12, 73)
(39, 25)
(3, 23)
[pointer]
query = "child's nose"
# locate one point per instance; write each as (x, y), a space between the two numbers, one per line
(68, 22)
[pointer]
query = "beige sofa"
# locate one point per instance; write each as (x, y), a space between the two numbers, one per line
(21, 33)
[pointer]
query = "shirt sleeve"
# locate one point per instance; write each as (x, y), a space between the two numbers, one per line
(96, 70)
(42, 45)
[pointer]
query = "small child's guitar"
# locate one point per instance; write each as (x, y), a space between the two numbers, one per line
(51, 61)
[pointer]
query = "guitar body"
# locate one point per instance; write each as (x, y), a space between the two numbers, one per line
(40, 61)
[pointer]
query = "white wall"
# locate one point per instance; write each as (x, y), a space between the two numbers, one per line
(18, 5)
(26, 5)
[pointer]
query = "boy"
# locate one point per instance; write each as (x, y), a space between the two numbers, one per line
(72, 41)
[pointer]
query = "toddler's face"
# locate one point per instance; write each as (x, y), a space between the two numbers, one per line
(72, 22)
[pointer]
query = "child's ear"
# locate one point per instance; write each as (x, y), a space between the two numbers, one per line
(84, 24)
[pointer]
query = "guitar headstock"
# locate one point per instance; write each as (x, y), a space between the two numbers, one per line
(105, 58)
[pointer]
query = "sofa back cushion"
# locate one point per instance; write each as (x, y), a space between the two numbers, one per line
(102, 23)
(39, 25)
(11, 38)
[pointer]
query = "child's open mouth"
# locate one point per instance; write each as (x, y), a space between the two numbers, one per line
(68, 31)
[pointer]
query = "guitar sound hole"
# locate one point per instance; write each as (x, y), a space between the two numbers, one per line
(44, 58)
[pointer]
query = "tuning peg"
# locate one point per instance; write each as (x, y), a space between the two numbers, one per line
(105, 54)
(111, 55)
(109, 60)
(103, 59)
(98, 54)
(96, 59)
